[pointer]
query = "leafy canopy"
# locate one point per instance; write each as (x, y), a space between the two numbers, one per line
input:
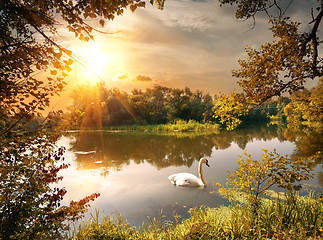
(285, 64)
(305, 110)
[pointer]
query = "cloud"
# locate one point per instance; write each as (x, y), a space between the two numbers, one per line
(119, 77)
(143, 78)
(194, 43)
(123, 76)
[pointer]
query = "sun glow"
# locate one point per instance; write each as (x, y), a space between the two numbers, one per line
(98, 60)
(96, 63)
(110, 60)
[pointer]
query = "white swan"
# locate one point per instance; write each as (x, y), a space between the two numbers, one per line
(188, 179)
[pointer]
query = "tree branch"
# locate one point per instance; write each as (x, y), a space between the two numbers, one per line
(312, 37)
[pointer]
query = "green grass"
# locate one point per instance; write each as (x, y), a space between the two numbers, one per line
(177, 126)
(190, 127)
(294, 217)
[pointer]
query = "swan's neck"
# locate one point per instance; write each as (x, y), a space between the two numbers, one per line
(201, 173)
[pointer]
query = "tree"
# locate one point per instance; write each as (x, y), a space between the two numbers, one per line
(28, 160)
(285, 64)
(305, 121)
(254, 177)
(281, 66)
(28, 43)
(157, 105)
(229, 108)
(30, 209)
(187, 105)
(101, 107)
(118, 109)
(305, 109)
(156, 111)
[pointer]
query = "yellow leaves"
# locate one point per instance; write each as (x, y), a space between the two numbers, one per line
(160, 3)
(229, 108)
(60, 86)
(70, 28)
(64, 74)
(277, 66)
(79, 112)
(305, 109)
(68, 69)
(255, 177)
(58, 55)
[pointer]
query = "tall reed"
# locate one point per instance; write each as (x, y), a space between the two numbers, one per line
(292, 217)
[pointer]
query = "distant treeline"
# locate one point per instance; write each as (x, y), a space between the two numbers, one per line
(273, 109)
(158, 105)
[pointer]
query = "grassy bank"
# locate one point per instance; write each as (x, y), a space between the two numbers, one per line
(291, 218)
(179, 126)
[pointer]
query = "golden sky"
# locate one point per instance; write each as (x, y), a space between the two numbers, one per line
(193, 43)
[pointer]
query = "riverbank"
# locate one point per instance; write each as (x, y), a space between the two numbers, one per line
(180, 126)
(287, 217)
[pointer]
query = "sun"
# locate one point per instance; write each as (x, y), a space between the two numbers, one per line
(96, 63)
(99, 61)
(93, 64)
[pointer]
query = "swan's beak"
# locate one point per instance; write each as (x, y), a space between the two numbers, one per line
(207, 164)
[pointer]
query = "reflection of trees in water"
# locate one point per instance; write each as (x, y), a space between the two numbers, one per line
(308, 142)
(244, 135)
(117, 149)
(161, 151)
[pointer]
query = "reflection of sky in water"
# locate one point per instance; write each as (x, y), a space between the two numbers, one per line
(135, 189)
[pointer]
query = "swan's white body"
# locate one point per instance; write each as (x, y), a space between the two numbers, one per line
(188, 179)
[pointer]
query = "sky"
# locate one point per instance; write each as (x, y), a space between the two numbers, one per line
(191, 43)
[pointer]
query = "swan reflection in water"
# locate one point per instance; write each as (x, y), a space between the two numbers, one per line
(188, 179)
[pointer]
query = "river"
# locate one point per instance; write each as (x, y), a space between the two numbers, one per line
(130, 170)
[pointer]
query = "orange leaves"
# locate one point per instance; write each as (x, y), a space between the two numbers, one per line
(277, 67)
(283, 65)
(62, 66)
(101, 22)
(70, 61)
(68, 52)
(160, 3)
(57, 64)
(247, 8)
(133, 7)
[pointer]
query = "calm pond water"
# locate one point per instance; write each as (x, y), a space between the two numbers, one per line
(130, 170)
